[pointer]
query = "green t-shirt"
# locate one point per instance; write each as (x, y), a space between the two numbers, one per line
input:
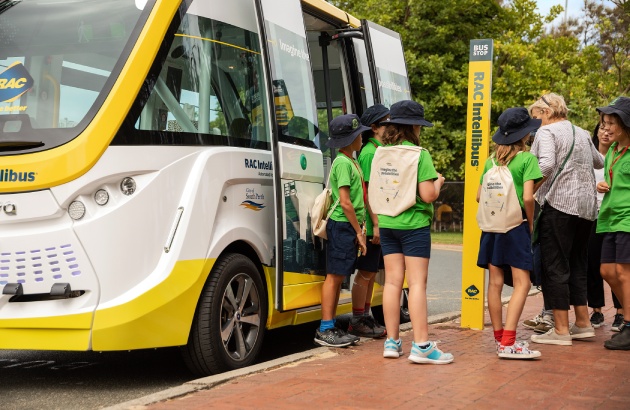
(346, 172)
(365, 162)
(523, 167)
(614, 214)
(420, 214)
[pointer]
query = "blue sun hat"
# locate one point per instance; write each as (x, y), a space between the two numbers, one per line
(514, 125)
(345, 129)
(407, 112)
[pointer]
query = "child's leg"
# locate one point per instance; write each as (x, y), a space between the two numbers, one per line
(361, 291)
(330, 295)
(368, 295)
(394, 278)
(495, 287)
(522, 285)
(417, 271)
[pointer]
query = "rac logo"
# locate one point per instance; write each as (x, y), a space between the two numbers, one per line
(472, 291)
(14, 81)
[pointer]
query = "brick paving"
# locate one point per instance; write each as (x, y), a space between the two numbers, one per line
(582, 376)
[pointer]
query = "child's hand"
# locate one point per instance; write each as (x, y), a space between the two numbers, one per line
(602, 187)
(376, 237)
(361, 244)
(440, 180)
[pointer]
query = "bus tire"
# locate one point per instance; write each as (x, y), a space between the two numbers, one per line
(377, 311)
(227, 330)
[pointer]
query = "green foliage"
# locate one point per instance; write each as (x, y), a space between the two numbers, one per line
(587, 61)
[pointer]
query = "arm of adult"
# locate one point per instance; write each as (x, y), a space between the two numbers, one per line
(544, 148)
(528, 202)
(348, 210)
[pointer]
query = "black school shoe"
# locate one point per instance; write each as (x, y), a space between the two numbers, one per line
(620, 341)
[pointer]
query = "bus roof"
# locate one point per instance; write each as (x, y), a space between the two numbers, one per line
(333, 11)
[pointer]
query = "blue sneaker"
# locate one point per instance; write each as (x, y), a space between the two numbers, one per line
(429, 355)
(392, 348)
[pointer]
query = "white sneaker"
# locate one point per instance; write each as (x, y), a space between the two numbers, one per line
(517, 351)
(552, 338)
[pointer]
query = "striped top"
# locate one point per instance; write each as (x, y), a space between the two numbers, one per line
(574, 191)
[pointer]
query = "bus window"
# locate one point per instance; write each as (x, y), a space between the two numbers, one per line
(291, 73)
(367, 95)
(209, 90)
(389, 61)
(58, 61)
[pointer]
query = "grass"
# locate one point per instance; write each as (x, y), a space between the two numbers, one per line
(449, 238)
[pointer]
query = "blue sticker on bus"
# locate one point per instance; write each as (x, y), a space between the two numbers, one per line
(14, 81)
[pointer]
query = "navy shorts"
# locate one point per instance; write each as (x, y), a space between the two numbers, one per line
(372, 261)
(341, 248)
(616, 247)
(513, 248)
(409, 242)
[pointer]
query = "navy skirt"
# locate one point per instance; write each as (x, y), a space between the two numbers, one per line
(513, 248)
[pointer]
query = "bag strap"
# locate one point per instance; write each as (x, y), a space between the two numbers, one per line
(563, 163)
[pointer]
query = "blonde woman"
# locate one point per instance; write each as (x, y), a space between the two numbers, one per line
(568, 200)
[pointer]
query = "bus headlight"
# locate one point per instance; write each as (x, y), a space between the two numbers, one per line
(101, 197)
(128, 186)
(76, 210)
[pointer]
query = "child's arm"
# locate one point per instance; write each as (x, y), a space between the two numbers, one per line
(528, 201)
(376, 237)
(478, 193)
(430, 189)
(348, 210)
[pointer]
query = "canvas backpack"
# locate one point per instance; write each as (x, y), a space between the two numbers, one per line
(499, 209)
(394, 179)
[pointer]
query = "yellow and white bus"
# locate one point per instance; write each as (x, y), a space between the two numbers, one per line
(158, 161)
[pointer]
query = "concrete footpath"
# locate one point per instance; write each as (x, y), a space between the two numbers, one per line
(582, 376)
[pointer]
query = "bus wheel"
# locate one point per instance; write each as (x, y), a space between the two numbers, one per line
(228, 328)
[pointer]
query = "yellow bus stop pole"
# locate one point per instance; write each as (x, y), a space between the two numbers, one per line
(477, 139)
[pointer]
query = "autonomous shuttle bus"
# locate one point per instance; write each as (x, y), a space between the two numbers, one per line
(158, 161)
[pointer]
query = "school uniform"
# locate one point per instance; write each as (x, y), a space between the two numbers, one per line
(409, 232)
(372, 261)
(512, 248)
(614, 214)
(341, 249)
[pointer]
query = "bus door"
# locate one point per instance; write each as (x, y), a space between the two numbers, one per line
(386, 58)
(297, 152)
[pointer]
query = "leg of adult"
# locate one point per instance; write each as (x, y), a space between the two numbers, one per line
(557, 232)
(495, 287)
(594, 281)
(330, 295)
(578, 262)
(417, 271)
(522, 285)
(394, 278)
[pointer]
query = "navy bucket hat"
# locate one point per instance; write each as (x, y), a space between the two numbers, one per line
(374, 114)
(407, 112)
(345, 129)
(619, 106)
(514, 125)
